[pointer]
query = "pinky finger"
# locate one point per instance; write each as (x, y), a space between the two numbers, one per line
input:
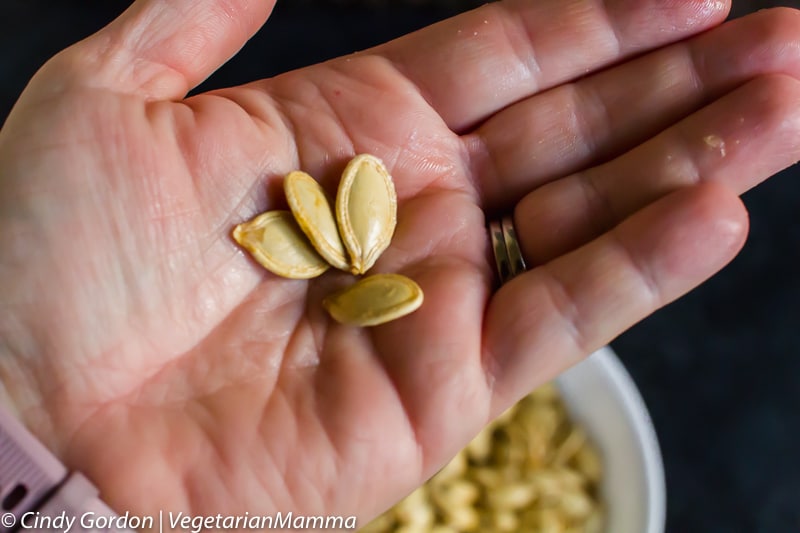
(549, 318)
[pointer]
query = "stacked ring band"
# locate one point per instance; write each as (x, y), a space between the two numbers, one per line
(505, 247)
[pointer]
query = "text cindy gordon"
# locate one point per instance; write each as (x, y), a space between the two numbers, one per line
(171, 521)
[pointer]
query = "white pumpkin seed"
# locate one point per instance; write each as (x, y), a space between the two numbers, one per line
(275, 240)
(374, 300)
(314, 214)
(366, 209)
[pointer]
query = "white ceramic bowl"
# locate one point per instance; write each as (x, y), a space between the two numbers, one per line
(602, 397)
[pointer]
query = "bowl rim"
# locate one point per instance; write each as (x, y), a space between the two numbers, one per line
(604, 361)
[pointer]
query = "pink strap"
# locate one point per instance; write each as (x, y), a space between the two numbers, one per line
(35, 485)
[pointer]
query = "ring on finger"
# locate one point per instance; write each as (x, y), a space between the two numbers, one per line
(505, 247)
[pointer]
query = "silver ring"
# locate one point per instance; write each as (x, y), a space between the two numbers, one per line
(505, 247)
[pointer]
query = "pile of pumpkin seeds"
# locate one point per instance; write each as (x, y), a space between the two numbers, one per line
(532, 470)
(305, 241)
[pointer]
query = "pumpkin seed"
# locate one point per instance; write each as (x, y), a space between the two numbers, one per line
(366, 209)
(314, 214)
(374, 300)
(275, 240)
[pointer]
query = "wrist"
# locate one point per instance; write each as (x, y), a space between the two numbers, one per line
(20, 395)
(38, 490)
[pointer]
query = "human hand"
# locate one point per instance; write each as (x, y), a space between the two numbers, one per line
(145, 348)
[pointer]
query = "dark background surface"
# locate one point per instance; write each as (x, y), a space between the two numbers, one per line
(719, 369)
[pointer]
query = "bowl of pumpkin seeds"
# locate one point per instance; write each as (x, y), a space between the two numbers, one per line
(578, 455)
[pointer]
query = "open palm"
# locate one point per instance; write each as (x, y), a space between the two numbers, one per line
(151, 353)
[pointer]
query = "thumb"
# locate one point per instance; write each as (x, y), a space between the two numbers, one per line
(161, 49)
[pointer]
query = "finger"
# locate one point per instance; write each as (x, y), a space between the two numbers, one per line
(162, 49)
(597, 118)
(547, 319)
(473, 65)
(739, 141)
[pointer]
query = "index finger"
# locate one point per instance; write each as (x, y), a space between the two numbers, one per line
(471, 66)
